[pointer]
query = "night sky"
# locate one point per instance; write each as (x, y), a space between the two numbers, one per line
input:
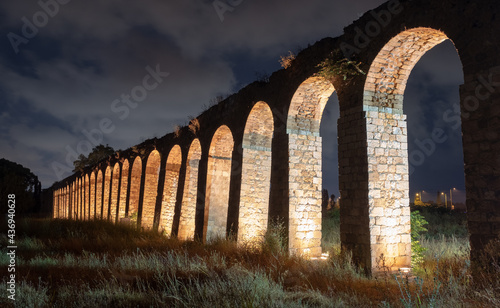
(60, 79)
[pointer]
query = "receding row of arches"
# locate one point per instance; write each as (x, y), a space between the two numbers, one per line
(146, 191)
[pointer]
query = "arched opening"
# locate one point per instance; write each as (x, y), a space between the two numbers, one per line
(98, 198)
(387, 140)
(92, 195)
(435, 152)
(123, 190)
(305, 176)
(106, 195)
(330, 224)
(172, 168)
(188, 208)
(218, 181)
(150, 190)
(114, 192)
(256, 174)
(135, 188)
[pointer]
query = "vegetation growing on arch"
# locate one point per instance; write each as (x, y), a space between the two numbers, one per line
(337, 65)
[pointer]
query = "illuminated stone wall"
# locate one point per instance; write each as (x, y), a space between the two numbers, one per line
(122, 206)
(188, 209)
(92, 195)
(115, 184)
(150, 190)
(170, 190)
(135, 186)
(86, 197)
(98, 202)
(106, 194)
(256, 175)
(305, 176)
(218, 181)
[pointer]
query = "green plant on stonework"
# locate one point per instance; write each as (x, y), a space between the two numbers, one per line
(417, 228)
(336, 65)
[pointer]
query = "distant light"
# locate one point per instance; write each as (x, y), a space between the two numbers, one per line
(405, 269)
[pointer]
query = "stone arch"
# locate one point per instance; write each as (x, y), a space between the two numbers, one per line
(66, 202)
(75, 199)
(305, 176)
(115, 184)
(58, 213)
(86, 197)
(106, 194)
(74, 206)
(56, 207)
(98, 198)
(123, 190)
(92, 194)
(150, 189)
(60, 203)
(135, 189)
(79, 198)
(188, 208)
(57, 201)
(172, 169)
(218, 183)
(386, 80)
(72, 200)
(387, 150)
(256, 174)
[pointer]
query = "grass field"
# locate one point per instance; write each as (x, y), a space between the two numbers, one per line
(64, 263)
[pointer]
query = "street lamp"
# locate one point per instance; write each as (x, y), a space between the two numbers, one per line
(445, 201)
(451, 198)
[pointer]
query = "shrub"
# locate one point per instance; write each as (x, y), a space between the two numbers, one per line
(417, 228)
(275, 239)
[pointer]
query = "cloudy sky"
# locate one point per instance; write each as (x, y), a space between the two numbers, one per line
(63, 72)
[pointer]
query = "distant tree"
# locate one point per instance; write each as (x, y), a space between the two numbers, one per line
(20, 181)
(98, 153)
(332, 201)
(324, 201)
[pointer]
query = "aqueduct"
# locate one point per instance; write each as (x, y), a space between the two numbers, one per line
(257, 155)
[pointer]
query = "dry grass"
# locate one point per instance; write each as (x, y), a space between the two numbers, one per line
(194, 125)
(286, 61)
(64, 263)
